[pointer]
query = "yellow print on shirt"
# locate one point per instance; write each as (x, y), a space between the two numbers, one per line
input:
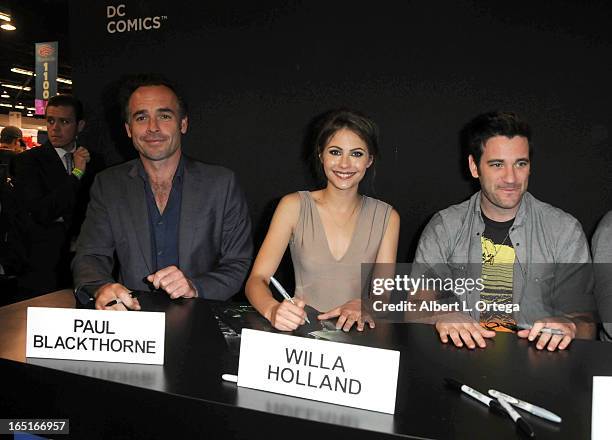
(497, 274)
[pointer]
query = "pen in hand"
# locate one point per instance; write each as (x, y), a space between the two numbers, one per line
(133, 294)
(552, 331)
(283, 292)
(549, 330)
(113, 302)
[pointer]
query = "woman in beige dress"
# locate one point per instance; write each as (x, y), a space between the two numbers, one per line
(330, 232)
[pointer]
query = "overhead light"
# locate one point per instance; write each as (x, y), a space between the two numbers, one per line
(11, 86)
(30, 73)
(7, 26)
(22, 71)
(2, 104)
(5, 95)
(20, 107)
(32, 108)
(29, 114)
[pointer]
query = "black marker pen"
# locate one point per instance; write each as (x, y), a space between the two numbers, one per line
(133, 294)
(522, 425)
(491, 403)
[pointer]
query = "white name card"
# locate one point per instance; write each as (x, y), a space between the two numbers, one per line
(96, 335)
(601, 423)
(344, 374)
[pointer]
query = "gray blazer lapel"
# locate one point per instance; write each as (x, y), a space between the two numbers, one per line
(190, 202)
(137, 206)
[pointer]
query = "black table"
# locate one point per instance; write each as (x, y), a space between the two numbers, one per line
(187, 398)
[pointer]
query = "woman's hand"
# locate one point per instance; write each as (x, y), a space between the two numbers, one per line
(349, 313)
(286, 316)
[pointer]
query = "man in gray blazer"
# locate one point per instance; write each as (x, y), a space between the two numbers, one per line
(173, 223)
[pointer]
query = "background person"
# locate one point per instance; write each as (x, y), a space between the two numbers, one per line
(51, 186)
(12, 256)
(10, 146)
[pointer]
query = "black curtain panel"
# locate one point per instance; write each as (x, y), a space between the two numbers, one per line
(256, 73)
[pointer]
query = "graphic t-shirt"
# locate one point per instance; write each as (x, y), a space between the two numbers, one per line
(497, 270)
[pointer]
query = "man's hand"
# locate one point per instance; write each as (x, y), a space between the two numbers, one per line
(115, 291)
(462, 329)
(81, 158)
(174, 282)
(286, 316)
(548, 340)
(349, 313)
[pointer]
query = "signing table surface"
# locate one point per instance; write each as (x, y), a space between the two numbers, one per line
(186, 396)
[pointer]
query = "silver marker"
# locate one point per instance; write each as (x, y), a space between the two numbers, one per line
(526, 406)
(283, 292)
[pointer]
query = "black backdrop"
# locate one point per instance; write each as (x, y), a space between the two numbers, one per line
(256, 72)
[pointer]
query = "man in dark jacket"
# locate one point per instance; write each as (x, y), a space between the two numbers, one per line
(49, 182)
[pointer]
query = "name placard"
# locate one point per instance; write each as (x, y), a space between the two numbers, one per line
(601, 424)
(96, 335)
(344, 374)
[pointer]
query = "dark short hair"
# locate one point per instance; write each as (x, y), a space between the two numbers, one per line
(479, 130)
(336, 120)
(67, 101)
(132, 83)
(9, 134)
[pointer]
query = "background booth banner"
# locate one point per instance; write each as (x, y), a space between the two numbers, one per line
(256, 73)
(46, 56)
